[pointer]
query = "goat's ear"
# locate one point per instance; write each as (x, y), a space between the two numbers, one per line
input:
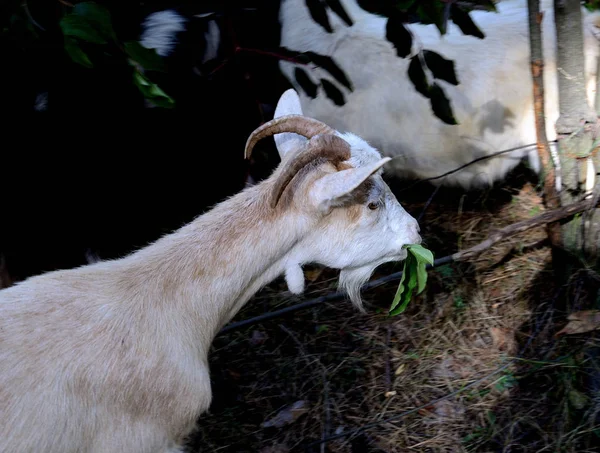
(333, 189)
(288, 104)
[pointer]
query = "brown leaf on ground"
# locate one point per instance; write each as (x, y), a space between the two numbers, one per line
(288, 415)
(581, 322)
(503, 338)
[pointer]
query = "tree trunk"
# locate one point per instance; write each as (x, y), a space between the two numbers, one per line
(575, 128)
(551, 198)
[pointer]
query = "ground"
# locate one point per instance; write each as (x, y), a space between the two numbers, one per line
(473, 365)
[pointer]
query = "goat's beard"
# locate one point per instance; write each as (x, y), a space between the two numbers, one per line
(352, 280)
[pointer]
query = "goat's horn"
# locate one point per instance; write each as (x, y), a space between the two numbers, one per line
(329, 147)
(302, 125)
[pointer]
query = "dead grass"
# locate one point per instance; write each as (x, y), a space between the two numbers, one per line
(350, 370)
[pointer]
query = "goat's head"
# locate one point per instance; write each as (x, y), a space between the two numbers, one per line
(336, 178)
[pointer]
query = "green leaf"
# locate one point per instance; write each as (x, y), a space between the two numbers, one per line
(423, 257)
(78, 27)
(97, 15)
(414, 276)
(421, 253)
(76, 53)
(406, 287)
(152, 92)
(147, 58)
(432, 13)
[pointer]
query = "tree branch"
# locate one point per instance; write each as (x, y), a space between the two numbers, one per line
(463, 255)
(551, 198)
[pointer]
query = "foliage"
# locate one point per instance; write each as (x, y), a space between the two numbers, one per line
(423, 62)
(88, 33)
(414, 276)
(89, 24)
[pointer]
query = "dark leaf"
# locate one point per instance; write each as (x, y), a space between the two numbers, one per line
(78, 27)
(432, 12)
(404, 5)
(398, 35)
(300, 57)
(441, 105)
(152, 92)
(417, 76)
(76, 53)
(304, 81)
(379, 7)
(330, 66)
(337, 8)
(407, 285)
(440, 67)
(97, 15)
(333, 93)
(147, 58)
(462, 19)
(318, 12)
(489, 5)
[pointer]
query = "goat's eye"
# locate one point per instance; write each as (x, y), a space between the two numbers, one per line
(373, 205)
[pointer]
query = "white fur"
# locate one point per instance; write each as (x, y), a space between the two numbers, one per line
(493, 102)
(113, 356)
(160, 30)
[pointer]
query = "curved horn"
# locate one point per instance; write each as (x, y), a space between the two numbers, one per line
(302, 125)
(329, 147)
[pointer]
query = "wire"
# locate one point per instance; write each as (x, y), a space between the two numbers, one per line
(321, 300)
(489, 156)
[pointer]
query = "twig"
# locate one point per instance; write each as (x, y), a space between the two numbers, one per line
(474, 161)
(551, 182)
(428, 203)
(464, 255)
(30, 17)
(542, 219)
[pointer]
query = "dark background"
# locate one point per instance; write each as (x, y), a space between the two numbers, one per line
(99, 172)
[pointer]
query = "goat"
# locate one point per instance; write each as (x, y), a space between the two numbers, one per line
(493, 103)
(113, 356)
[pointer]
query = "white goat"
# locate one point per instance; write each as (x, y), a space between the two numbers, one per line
(493, 102)
(113, 356)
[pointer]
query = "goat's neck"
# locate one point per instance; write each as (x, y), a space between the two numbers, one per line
(206, 271)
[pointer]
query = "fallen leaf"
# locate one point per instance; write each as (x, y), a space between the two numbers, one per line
(288, 415)
(399, 370)
(577, 399)
(258, 338)
(503, 338)
(581, 322)
(275, 448)
(388, 394)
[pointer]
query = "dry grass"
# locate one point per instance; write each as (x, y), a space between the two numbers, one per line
(351, 369)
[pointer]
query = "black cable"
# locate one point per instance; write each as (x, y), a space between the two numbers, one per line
(322, 299)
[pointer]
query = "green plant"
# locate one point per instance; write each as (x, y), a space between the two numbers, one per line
(414, 276)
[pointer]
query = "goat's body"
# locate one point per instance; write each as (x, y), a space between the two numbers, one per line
(113, 356)
(129, 397)
(493, 102)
